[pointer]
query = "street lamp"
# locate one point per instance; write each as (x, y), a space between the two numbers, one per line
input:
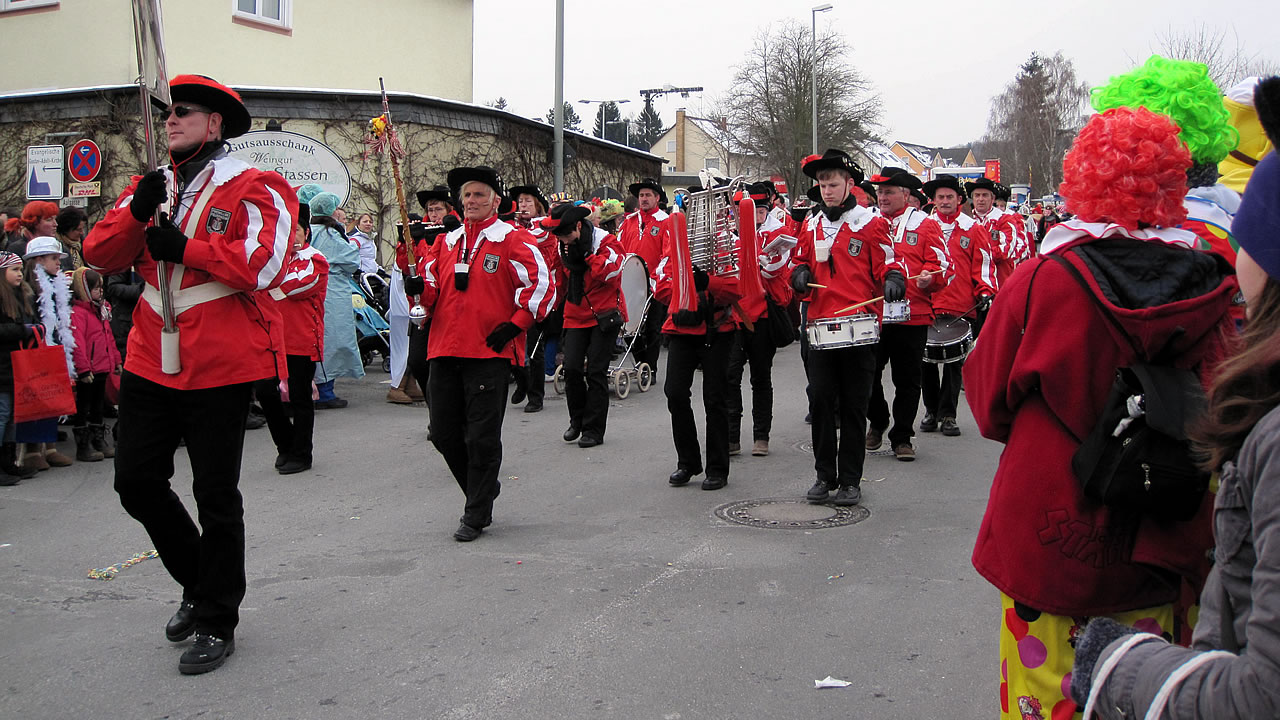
(813, 70)
(619, 122)
(615, 102)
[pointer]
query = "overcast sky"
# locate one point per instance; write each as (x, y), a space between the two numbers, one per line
(936, 68)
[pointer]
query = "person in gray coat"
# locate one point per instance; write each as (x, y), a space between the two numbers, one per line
(1232, 669)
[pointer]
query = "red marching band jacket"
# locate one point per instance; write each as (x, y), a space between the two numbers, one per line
(973, 270)
(860, 253)
(720, 295)
(239, 223)
(602, 283)
(1006, 230)
(643, 234)
(775, 271)
(509, 280)
(918, 244)
(300, 300)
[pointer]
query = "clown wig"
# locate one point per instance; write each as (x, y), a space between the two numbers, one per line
(1127, 167)
(1182, 90)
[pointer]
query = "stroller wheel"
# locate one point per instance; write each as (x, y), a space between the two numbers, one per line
(386, 363)
(622, 384)
(366, 357)
(558, 381)
(645, 377)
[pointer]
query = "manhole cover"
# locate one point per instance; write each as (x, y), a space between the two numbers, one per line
(807, 446)
(790, 514)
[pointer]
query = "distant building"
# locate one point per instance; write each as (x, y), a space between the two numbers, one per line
(693, 144)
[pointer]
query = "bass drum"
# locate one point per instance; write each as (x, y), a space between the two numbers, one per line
(635, 292)
(949, 340)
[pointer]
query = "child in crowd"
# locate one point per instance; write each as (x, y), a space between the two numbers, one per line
(53, 309)
(95, 357)
(17, 316)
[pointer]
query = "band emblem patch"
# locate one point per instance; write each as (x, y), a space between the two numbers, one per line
(964, 241)
(218, 222)
(490, 263)
(855, 247)
(912, 238)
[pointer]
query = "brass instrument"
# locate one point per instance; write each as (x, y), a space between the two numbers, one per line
(712, 227)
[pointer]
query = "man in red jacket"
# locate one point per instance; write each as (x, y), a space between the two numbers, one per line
(1005, 228)
(964, 299)
(643, 233)
(918, 244)
(845, 257)
(484, 284)
(224, 236)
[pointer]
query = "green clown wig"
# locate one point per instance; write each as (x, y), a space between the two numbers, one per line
(1183, 91)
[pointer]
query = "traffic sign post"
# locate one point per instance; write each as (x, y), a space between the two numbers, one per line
(84, 162)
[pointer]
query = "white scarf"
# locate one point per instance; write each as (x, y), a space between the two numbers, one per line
(54, 301)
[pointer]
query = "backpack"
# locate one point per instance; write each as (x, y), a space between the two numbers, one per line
(1136, 458)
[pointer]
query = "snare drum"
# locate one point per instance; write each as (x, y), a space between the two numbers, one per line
(948, 341)
(847, 331)
(897, 312)
(635, 293)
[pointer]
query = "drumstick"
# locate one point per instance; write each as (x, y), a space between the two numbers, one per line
(816, 285)
(749, 325)
(878, 299)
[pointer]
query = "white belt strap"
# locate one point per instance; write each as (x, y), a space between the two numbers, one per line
(1175, 679)
(187, 298)
(1109, 665)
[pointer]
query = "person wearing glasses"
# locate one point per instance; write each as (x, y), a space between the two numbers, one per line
(222, 236)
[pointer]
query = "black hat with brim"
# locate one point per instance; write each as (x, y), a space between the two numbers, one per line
(868, 188)
(219, 98)
(932, 187)
(815, 195)
(1003, 192)
(982, 183)
(920, 198)
(565, 218)
(832, 159)
(649, 184)
(483, 174)
(896, 177)
(761, 193)
(439, 192)
(515, 193)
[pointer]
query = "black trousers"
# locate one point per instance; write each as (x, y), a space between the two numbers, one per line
(841, 380)
(804, 353)
(416, 360)
(756, 348)
(292, 437)
(89, 399)
(468, 402)
(685, 354)
(587, 352)
(941, 384)
(902, 345)
(207, 561)
(649, 342)
(536, 364)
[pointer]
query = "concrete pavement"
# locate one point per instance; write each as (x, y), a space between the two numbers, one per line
(599, 591)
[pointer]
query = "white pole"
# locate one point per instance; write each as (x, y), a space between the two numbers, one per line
(558, 145)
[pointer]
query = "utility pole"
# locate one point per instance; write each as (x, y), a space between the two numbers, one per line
(558, 145)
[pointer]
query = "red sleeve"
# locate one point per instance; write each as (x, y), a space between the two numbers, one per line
(252, 253)
(306, 276)
(723, 290)
(117, 240)
(429, 271)
(883, 258)
(982, 269)
(605, 263)
(535, 291)
(937, 258)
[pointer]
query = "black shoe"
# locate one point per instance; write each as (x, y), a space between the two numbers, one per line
(587, 441)
(808, 418)
(875, 438)
(929, 423)
(7, 480)
(819, 492)
(182, 624)
(572, 433)
(533, 407)
(334, 404)
(207, 653)
(254, 421)
(848, 495)
(681, 476)
(466, 533)
(294, 465)
(714, 483)
(281, 459)
(735, 448)
(949, 427)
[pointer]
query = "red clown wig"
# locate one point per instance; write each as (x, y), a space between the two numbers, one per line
(1127, 167)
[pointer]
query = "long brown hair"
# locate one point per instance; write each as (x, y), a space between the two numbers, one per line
(15, 302)
(1247, 386)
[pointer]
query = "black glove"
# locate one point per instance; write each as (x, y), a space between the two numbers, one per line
(521, 377)
(700, 280)
(165, 241)
(450, 223)
(417, 231)
(148, 196)
(895, 286)
(687, 318)
(1097, 635)
(800, 278)
(984, 303)
(414, 285)
(501, 335)
(575, 257)
(29, 331)
(798, 214)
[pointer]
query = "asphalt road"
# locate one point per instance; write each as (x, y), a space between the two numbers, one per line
(599, 592)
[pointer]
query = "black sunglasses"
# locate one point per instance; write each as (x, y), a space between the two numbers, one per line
(181, 111)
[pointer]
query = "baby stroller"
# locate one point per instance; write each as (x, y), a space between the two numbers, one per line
(372, 324)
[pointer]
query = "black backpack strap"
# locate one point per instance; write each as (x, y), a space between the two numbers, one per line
(1088, 291)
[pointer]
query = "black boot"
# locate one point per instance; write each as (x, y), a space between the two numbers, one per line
(84, 445)
(101, 442)
(12, 471)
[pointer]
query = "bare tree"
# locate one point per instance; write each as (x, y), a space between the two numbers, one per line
(1033, 121)
(1221, 51)
(769, 111)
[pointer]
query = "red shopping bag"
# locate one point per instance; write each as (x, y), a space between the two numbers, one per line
(41, 384)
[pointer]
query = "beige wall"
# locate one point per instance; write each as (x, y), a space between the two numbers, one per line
(322, 50)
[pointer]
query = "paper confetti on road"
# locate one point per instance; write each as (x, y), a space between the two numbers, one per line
(110, 572)
(830, 682)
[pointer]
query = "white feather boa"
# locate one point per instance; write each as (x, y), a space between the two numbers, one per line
(54, 302)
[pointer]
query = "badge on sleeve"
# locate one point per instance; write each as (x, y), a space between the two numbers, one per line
(218, 222)
(964, 241)
(490, 263)
(855, 247)
(912, 238)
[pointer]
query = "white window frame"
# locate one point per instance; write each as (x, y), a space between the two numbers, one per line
(671, 146)
(707, 163)
(286, 14)
(14, 5)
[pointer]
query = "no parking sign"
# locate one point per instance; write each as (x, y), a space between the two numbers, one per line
(84, 161)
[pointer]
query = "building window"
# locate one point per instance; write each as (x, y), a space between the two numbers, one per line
(711, 163)
(8, 5)
(276, 13)
(671, 146)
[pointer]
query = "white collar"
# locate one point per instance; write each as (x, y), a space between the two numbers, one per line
(771, 223)
(855, 217)
(1074, 229)
(495, 233)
